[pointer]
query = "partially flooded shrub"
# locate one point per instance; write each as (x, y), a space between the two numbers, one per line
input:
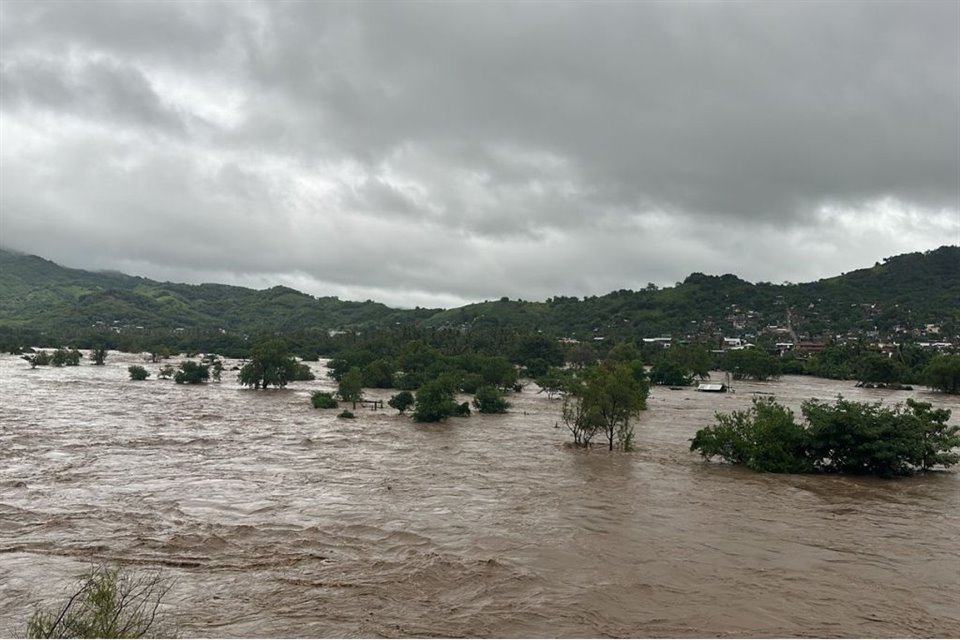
(346, 413)
(401, 401)
(137, 372)
(107, 603)
(323, 400)
(191, 372)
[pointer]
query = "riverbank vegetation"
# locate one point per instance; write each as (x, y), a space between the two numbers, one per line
(842, 437)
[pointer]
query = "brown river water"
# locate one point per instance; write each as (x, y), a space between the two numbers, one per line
(271, 518)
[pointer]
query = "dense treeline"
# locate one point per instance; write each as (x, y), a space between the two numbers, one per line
(405, 356)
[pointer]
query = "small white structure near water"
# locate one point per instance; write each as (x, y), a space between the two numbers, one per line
(712, 387)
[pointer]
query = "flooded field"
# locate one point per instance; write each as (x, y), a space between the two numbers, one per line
(272, 518)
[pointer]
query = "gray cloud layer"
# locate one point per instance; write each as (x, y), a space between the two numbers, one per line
(435, 153)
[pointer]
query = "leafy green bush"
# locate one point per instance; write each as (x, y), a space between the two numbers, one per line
(763, 438)
(401, 401)
(39, 359)
(843, 437)
(191, 372)
(489, 399)
(323, 400)
(859, 438)
(350, 388)
(303, 373)
(107, 603)
(65, 357)
(137, 372)
(434, 401)
(346, 413)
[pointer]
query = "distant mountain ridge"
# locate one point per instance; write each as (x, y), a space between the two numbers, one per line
(903, 293)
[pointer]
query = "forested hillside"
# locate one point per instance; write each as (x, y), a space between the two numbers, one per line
(902, 295)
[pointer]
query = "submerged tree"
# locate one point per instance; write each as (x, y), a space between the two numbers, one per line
(137, 372)
(107, 603)
(191, 372)
(270, 364)
(350, 388)
(323, 400)
(99, 355)
(489, 399)
(943, 373)
(401, 401)
(434, 401)
(750, 363)
(606, 400)
(842, 437)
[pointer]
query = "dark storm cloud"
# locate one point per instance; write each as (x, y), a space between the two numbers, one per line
(453, 151)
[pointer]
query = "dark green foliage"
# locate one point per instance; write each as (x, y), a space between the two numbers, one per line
(323, 400)
(859, 438)
(750, 363)
(536, 353)
(843, 437)
(350, 388)
(434, 401)
(346, 414)
(191, 372)
(107, 603)
(873, 367)
(166, 371)
(303, 373)
(401, 401)
(270, 364)
(39, 359)
(763, 438)
(581, 355)
(99, 355)
(943, 373)
(836, 361)
(499, 372)
(470, 382)
(137, 372)
(378, 374)
(489, 399)
(461, 410)
(554, 381)
(668, 372)
(65, 357)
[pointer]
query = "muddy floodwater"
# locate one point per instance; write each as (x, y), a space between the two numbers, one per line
(271, 518)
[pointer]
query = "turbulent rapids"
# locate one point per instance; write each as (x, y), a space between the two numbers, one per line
(271, 518)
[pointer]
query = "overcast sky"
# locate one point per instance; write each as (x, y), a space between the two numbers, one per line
(438, 153)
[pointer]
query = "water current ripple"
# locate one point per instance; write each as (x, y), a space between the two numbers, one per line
(275, 519)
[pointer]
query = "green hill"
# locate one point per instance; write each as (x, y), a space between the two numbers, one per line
(903, 294)
(39, 294)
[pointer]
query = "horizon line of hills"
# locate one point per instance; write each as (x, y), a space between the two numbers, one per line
(913, 294)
